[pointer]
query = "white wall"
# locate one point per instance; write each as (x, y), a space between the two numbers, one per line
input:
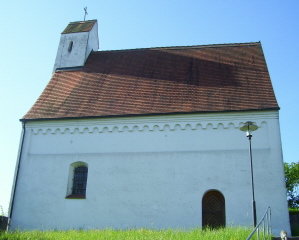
(83, 44)
(149, 171)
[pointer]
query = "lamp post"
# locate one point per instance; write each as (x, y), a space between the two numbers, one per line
(249, 127)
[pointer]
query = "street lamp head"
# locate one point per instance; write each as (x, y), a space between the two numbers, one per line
(249, 127)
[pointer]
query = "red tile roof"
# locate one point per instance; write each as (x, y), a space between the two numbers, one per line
(211, 78)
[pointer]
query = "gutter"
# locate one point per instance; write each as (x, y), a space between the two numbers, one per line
(13, 193)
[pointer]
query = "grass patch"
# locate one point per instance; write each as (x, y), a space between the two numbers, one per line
(229, 233)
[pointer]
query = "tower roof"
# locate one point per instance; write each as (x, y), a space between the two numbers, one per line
(80, 26)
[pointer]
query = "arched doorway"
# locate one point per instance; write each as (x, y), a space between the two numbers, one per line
(213, 210)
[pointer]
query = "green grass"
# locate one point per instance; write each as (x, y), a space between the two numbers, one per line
(229, 233)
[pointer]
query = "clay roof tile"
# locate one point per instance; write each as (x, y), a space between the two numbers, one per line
(211, 78)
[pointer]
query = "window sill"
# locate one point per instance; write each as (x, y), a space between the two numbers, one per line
(74, 196)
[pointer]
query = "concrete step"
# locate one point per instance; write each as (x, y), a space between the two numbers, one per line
(289, 238)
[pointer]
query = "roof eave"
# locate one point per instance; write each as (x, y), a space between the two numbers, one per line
(147, 114)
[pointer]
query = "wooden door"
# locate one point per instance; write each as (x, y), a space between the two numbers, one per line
(213, 210)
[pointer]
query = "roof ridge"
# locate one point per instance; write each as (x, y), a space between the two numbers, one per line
(188, 47)
(93, 20)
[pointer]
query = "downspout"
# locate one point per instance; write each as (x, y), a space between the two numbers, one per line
(12, 198)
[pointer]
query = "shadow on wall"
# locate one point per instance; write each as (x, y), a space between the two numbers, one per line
(3, 223)
(294, 222)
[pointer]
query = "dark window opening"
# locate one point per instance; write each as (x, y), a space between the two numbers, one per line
(70, 46)
(80, 180)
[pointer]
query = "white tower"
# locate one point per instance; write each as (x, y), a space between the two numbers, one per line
(76, 42)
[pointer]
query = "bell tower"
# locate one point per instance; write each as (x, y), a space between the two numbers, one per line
(76, 42)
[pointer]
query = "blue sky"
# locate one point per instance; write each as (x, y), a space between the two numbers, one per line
(30, 32)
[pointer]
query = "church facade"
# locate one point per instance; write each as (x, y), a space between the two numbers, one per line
(149, 138)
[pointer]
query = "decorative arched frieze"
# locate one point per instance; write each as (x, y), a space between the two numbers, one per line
(161, 126)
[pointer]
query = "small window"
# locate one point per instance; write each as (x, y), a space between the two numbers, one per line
(70, 46)
(80, 180)
(77, 181)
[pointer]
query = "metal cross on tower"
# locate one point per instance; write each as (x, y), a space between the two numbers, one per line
(85, 9)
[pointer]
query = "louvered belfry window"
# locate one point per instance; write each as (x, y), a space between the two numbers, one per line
(80, 180)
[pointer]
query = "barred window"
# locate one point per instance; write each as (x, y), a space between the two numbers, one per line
(77, 180)
(80, 180)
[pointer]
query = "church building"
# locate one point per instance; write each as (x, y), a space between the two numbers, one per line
(150, 138)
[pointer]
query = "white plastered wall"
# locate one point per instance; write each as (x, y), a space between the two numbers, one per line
(83, 44)
(149, 171)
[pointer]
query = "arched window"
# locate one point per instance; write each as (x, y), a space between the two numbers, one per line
(77, 180)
